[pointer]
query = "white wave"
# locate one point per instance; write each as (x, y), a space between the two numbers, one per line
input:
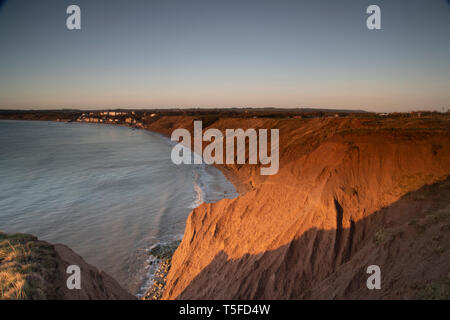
(199, 193)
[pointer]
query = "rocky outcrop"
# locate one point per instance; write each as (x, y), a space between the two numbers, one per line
(351, 192)
(163, 254)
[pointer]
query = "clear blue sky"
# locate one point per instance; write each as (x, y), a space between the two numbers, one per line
(189, 53)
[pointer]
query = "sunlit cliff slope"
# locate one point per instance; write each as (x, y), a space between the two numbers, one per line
(350, 192)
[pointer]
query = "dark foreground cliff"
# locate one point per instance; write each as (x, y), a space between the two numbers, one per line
(36, 270)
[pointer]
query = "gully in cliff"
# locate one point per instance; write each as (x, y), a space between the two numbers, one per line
(213, 152)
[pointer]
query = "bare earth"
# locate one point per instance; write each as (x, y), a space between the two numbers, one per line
(351, 192)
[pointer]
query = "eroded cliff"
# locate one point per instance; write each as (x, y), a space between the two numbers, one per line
(350, 192)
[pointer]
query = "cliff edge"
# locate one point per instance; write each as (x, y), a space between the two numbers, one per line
(350, 192)
(36, 270)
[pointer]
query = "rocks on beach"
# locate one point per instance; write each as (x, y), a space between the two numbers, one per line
(163, 254)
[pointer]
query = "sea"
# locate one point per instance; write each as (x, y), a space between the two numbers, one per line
(109, 192)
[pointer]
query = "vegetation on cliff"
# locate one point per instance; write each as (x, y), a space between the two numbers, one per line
(27, 267)
(31, 269)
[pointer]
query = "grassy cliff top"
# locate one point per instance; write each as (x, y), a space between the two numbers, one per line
(27, 267)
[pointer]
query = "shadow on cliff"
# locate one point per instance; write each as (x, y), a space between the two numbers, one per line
(409, 240)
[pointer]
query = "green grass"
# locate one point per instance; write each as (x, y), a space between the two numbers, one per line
(27, 266)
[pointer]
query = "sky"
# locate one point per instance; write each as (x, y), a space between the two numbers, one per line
(209, 53)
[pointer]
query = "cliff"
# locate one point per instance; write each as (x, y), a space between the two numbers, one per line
(35, 270)
(350, 192)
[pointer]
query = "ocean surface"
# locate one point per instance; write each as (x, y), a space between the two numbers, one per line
(108, 192)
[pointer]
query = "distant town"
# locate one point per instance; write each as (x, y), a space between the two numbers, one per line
(139, 118)
(115, 117)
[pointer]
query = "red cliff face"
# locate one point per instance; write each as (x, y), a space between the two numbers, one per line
(349, 193)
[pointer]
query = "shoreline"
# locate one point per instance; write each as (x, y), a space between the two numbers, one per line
(164, 255)
(240, 186)
(349, 190)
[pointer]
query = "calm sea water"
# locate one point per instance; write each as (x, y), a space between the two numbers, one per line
(108, 192)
